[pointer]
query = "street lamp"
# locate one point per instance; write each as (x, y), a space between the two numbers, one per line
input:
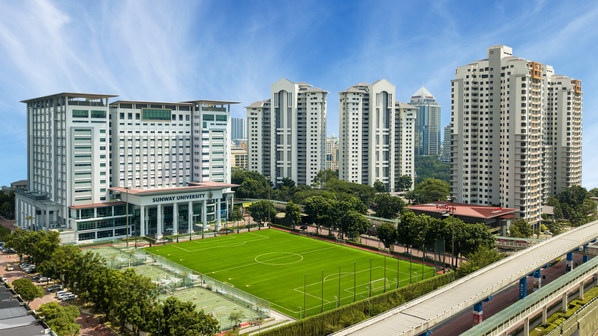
(452, 199)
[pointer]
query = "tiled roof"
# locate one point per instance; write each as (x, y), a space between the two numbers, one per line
(465, 210)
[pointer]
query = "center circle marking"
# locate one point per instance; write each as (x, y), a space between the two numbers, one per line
(272, 257)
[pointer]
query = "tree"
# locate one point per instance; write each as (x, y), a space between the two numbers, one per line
(324, 176)
(292, 214)
(387, 206)
(387, 234)
(430, 166)
(27, 290)
(236, 318)
(520, 229)
(236, 215)
(286, 182)
(406, 230)
(181, 318)
(479, 259)
(364, 192)
(62, 319)
(315, 208)
(431, 190)
(404, 183)
(379, 186)
(262, 211)
(38, 245)
(353, 224)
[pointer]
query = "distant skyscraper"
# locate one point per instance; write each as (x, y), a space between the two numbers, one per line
(516, 137)
(287, 133)
(445, 155)
(332, 153)
(374, 132)
(427, 123)
(238, 129)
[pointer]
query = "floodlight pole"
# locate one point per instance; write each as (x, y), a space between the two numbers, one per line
(453, 225)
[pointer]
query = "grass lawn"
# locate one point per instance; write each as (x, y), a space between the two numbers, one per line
(286, 268)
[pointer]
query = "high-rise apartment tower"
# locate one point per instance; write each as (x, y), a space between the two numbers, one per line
(287, 133)
(516, 137)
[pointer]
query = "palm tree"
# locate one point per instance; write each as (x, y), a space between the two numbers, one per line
(30, 219)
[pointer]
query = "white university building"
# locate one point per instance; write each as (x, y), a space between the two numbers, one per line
(91, 162)
(516, 133)
(286, 134)
(376, 135)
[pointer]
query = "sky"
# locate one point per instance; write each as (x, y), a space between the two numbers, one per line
(234, 50)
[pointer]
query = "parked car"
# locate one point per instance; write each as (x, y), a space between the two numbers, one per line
(54, 288)
(9, 268)
(43, 279)
(69, 297)
(4, 279)
(36, 277)
(61, 294)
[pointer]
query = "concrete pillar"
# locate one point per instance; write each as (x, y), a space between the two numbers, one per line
(522, 287)
(544, 315)
(190, 218)
(526, 327)
(142, 221)
(565, 302)
(569, 261)
(159, 222)
(581, 290)
(478, 313)
(537, 279)
(175, 219)
(218, 216)
(204, 214)
(48, 219)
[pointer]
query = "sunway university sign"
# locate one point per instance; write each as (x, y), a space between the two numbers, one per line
(186, 197)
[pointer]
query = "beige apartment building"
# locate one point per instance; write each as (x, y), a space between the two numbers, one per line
(516, 135)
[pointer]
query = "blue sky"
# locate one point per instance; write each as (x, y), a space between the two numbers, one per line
(234, 50)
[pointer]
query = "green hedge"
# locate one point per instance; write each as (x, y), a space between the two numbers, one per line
(342, 317)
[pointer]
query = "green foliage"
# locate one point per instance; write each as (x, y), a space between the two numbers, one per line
(27, 290)
(520, 229)
(236, 317)
(404, 183)
(387, 234)
(181, 318)
(236, 215)
(262, 211)
(292, 214)
(62, 319)
(387, 206)
(353, 224)
(430, 190)
(4, 233)
(251, 184)
(364, 192)
(574, 204)
(431, 167)
(379, 186)
(38, 245)
(479, 259)
(7, 201)
(324, 176)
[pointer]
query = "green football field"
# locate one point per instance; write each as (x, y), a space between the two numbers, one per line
(288, 269)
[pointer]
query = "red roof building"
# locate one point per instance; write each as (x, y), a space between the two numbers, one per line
(495, 217)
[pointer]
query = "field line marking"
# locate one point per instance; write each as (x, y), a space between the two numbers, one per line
(314, 296)
(225, 245)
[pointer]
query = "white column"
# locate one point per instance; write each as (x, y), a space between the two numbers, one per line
(190, 217)
(142, 221)
(175, 219)
(218, 219)
(47, 219)
(159, 221)
(204, 215)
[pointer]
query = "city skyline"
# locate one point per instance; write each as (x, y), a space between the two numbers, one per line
(86, 47)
